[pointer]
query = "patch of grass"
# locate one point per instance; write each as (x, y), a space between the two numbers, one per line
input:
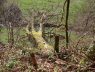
(72, 36)
(54, 6)
(50, 5)
(3, 35)
(75, 7)
(37, 4)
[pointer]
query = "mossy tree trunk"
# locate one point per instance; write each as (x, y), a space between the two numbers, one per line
(45, 47)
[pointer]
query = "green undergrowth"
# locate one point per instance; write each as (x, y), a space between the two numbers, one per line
(18, 37)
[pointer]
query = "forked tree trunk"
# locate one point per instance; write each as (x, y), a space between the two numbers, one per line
(45, 47)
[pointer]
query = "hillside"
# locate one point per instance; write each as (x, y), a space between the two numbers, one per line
(54, 6)
(33, 36)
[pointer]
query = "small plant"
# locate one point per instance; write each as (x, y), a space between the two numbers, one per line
(10, 64)
(51, 56)
(56, 69)
(1, 70)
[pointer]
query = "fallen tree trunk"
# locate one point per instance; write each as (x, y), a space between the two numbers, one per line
(41, 43)
(45, 47)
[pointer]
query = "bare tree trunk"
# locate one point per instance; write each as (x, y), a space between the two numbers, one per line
(67, 14)
(56, 43)
(10, 35)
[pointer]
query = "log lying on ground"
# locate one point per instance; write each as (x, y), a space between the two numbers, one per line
(45, 47)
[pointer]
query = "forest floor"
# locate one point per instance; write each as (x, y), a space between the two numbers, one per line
(17, 59)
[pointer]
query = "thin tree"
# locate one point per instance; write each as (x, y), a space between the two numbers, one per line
(66, 25)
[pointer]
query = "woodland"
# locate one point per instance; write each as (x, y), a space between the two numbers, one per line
(47, 36)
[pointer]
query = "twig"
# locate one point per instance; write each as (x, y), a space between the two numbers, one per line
(80, 40)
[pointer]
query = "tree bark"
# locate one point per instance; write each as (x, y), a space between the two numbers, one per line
(66, 26)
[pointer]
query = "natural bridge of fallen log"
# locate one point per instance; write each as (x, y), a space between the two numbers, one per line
(45, 47)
